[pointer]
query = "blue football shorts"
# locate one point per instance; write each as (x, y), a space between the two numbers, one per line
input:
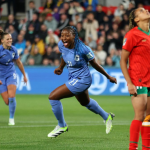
(12, 79)
(78, 85)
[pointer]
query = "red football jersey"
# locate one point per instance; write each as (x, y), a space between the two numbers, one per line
(137, 42)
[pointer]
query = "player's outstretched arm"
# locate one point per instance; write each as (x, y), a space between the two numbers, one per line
(20, 66)
(100, 69)
(59, 70)
(123, 63)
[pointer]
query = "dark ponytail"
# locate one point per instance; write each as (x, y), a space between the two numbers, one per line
(2, 34)
(132, 23)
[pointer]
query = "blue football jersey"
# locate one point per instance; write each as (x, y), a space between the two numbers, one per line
(77, 64)
(6, 60)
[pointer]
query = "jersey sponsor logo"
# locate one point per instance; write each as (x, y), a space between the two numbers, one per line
(13, 55)
(124, 41)
(2, 56)
(89, 55)
(77, 58)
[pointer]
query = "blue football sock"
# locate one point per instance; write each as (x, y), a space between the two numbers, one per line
(58, 112)
(94, 107)
(12, 107)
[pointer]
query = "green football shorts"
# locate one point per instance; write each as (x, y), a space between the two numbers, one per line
(142, 90)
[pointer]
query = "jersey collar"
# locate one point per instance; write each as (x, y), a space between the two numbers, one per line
(6, 49)
(148, 33)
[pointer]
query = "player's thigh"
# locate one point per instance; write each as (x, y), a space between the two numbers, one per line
(11, 90)
(148, 106)
(11, 83)
(5, 97)
(148, 103)
(139, 104)
(3, 91)
(60, 93)
(83, 98)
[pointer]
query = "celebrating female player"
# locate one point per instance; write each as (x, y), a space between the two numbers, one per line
(136, 47)
(8, 77)
(76, 55)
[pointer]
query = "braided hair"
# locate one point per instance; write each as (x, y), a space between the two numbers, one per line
(2, 34)
(132, 23)
(79, 46)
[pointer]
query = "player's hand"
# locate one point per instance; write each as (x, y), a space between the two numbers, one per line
(132, 89)
(1, 82)
(58, 71)
(112, 79)
(25, 80)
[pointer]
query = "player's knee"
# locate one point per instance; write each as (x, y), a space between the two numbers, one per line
(52, 96)
(139, 117)
(7, 102)
(83, 103)
(11, 96)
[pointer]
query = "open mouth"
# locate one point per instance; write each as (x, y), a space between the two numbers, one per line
(65, 43)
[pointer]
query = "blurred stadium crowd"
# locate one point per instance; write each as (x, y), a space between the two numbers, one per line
(102, 28)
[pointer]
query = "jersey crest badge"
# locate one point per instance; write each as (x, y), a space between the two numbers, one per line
(13, 55)
(124, 41)
(77, 58)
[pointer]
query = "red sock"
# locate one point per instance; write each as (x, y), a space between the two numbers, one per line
(135, 129)
(145, 133)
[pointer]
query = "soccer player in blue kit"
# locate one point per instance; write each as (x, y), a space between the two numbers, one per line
(76, 55)
(8, 77)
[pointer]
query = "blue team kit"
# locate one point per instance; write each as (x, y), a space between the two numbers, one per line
(7, 68)
(79, 75)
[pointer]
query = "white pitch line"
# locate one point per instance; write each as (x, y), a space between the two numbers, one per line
(126, 122)
(33, 126)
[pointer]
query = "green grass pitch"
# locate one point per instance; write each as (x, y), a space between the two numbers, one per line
(34, 120)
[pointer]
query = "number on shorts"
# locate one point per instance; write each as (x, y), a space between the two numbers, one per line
(73, 82)
(14, 75)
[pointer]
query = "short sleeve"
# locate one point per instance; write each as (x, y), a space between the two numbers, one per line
(60, 44)
(16, 56)
(88, 53)
(129, 41)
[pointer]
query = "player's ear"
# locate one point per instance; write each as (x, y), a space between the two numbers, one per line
(136, 20)
(73, 36)
(2, 41)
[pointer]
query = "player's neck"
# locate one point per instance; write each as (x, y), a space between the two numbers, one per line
(71, 46)
(144, 26)
(6, 47)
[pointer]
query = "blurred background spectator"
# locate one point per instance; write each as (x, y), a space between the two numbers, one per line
(32, 10)
(11, 21)
(50, 22)
(20, 44)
